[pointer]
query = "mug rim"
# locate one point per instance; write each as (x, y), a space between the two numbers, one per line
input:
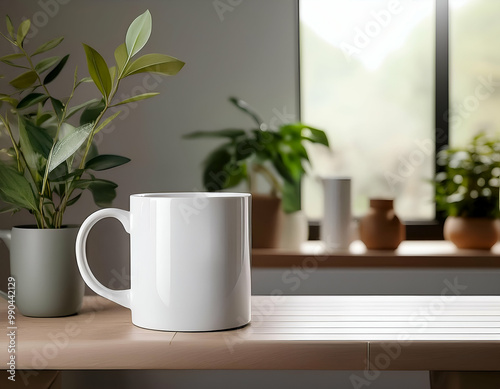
(188, 195)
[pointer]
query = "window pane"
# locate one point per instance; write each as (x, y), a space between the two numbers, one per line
(474, 68)
(367, 78)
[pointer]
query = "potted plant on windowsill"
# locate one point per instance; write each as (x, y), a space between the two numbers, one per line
(276, 155)
(467, 191)
(51, 158)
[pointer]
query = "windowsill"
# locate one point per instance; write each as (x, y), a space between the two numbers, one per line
(410, 254)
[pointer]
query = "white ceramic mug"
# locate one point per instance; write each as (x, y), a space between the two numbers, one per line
(190, 260)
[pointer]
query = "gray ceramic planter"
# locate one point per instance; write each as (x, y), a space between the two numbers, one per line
(42, 261)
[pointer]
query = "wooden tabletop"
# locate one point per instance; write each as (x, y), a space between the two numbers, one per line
(287, 332)
(410, 254)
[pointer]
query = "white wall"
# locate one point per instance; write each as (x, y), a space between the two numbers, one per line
(251, 53)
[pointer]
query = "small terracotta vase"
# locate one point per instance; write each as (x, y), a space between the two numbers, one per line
(266, 221)
(471, 232)
(380, 228)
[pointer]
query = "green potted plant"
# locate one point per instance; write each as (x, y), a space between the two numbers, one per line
(51, 157)
(467, 192)
(276, 155)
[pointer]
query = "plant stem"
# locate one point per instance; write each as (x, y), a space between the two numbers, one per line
(45, 178)
(59, 124)
(275, 185)
(16, 149)
(250, 181)
(107, 99)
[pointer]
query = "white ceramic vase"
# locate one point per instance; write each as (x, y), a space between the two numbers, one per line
(336, 225)
(295, 230)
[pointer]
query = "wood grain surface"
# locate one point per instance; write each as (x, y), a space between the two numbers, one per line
(286, 332)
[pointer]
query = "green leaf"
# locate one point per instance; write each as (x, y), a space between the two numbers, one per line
(103, 191)
(65, 130)
(22, 31)
(138, 33)
(112, 73)
(121, 57)
(10, 26)
(67, 146)
(55, 72)
(316, 136)
(291, 197)
(98, 70)
(58, 107)
(9, 100)
(298, 149)
(38, 138)
(154, 63)
(245, 149)
(91, 112)
(282, 169)
(48, 46)
(10, 208)
(25, 80)
(43, 118)
(214, 174)
(86, 79)
(11, 57)
(16, 189)
(46, 64)
(106, 161)
(227, 133)
(32, 99)
(235, 173)
(73, 200)
(70, 112)
(292, 161)
(292, 130)
(107, 121)
(30, 155)
(137, 98)
(60, 174)
(10, 63)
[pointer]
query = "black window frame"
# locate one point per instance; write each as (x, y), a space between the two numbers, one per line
(432, 229)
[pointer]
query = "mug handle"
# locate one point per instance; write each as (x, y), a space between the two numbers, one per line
(121, 297)
(5, 235)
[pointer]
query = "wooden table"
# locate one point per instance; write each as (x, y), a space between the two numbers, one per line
(437, 333)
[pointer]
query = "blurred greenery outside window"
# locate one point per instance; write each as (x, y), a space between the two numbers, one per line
(367, 77)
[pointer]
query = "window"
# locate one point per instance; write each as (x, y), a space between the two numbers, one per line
(474, 68)
(367, 78)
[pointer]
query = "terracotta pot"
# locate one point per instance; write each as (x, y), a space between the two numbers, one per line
(380, 228)
(266, 221)
(471, 232)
